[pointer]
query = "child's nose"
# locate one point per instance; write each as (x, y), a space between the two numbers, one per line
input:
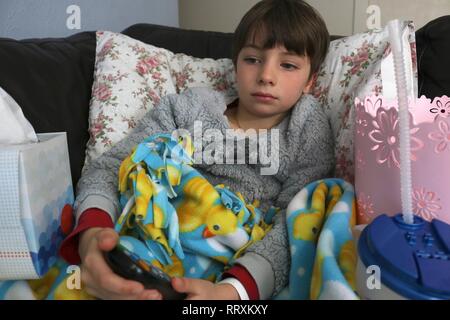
(267, 75)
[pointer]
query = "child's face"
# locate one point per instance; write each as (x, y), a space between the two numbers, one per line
(270, 81)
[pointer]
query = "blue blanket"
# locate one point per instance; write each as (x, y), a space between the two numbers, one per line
(173, 218)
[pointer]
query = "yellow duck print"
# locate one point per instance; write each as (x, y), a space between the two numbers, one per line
(334, 196)
(348, 254)
(144, 187)
(220, 221)
(158, 235)
(307, 226)
(316, 280)
(125, 169)
(203, 208)
(41, 287)
(347, 262)
(63, 293)
(175, 269)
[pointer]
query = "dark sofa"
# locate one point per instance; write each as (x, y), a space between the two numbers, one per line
(51, 79)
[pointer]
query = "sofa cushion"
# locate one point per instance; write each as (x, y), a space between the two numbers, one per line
(131, 77)
(196, 43)
(200, 44)
(51, 80)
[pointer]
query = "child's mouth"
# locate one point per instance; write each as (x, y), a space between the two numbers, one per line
(265, 97)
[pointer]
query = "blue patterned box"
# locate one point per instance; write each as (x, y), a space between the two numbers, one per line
(35, 191)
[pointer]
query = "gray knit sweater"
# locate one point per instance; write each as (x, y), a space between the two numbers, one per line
(304, 153)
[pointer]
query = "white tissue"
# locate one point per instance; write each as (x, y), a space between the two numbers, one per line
(14, 127)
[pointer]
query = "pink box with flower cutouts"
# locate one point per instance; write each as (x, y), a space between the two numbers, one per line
(377, 158)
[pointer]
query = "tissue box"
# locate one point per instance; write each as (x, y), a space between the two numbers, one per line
(377, 157)
(36, 191)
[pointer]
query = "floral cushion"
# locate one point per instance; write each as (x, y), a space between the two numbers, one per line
(131, 77)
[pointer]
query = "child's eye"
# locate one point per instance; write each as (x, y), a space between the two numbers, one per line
(252, 60)
(289, 66)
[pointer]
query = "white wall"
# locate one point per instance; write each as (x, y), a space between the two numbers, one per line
(47, 18)
(338, 15)
(419, 11)
(224, 15)
(343, 17)
(213, 15)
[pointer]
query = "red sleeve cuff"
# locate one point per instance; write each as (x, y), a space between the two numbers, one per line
(241, 273)
(90, 218)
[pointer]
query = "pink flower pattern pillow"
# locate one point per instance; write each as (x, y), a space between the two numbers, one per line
(131, 77)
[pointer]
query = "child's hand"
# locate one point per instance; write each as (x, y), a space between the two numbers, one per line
(198, 289)
(99, 280)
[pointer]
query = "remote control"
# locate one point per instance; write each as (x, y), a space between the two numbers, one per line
(128, 265)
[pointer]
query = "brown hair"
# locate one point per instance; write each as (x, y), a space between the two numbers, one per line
(292, 23)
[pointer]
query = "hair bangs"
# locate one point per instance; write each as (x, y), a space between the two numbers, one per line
(275, 30)
(293, 24)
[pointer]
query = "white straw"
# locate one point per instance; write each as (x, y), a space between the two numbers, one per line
(402, 99)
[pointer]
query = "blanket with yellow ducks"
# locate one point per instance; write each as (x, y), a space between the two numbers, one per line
(187, 227)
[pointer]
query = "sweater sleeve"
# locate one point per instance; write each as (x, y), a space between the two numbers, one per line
(98, 185)
(268, 260)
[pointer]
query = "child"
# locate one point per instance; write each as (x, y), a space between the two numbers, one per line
(278, 48)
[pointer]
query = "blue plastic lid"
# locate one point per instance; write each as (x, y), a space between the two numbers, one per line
(414, 259)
